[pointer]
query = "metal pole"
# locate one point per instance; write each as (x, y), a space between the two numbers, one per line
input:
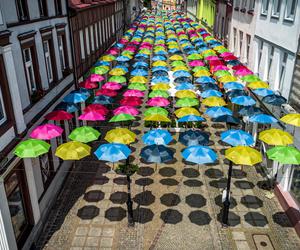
(129, 203)
(227, 198)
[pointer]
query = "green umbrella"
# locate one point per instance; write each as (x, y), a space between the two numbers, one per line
(100, 70)
(198, 68)
(122, 118)
(178, 63)
(284, 155)
(31, 148)
(118, 79)
(137, 86)
(159, 93)
(156, 110)
(194, 57)
(187, 102)
(250, 78)
(208, 53)
(223, 50)
(84, 134)
(221, 73)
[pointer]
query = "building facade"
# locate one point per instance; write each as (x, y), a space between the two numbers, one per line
(35, 74)
(192, 6)
(206, 13)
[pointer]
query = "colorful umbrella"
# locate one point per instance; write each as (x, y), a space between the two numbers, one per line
(199, 154)
(243, 155)
(137, 86)
(157, 118)
(187, 102)
(58, 115)
(156, 110)
(31, 148)
(250, 110)
(258, 85)
(68, 107)
(157, 136)
(291, 119)
(131, 101)
(243, 100)
(157, 153)
(106, 92)
(227, 118)
(186, 111)
(263, 92)
(118, 79)
(120, 135)
(92, 116)
(276, 137)
(214, 101)
(194, 137)
(185, 93)
(112, 152)
(250, 78)
(211, 92)
(126, 110)
(273, 99)
(227, 79)
(73, 150)
(121, 118)
(133, 92)
(262, 118)
(95, 78)
(112, 86)
(218, 111)
(46, 132)
(103, 100)
(160, 86)
(284, 155)
(140, 79)
(117, 72)
(233, 85)
(191, 118)
(97, 108)
(237, 138)
(84, 134)
(88, 84)
(76, 97)
(158, 102)
(159, 93)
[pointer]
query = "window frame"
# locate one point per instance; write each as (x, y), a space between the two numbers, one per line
(287, 5)
(276, 13)
(25, 10)
(58, 7)
(43, 7)
(48, 59)
(282, 68)
(265, 7)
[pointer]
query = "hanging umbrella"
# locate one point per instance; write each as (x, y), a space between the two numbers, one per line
(214, 101)
(196, 63)
(131, 101)
(250, 78)
(118, 79)
(186, 111)
(97, 108)
(243, 72)
(157, 136)
(197, 68)
(262, 118)
(103, 100)
(121, 118)
(137, 86)
(250, 110)
(185, 86)
(258, 85)
(276, 137)
(112, 86)
(158, 101)
(76, 97)
(91, 116)
(193, 137)
(237, 138)
(263, 92)
(291, 119)
(84, 134)
(87, 84)
(139, 72)
(181, 73)
(218, 111)
(191, 118)
(31, 148)
(160, 86)
(209, 86)
(225, 79)
(58, 115)
(140, 79)
(68, 107)
(185, 94)
(205, 79)
(276, 100)
(243, 100)
(112, 152)
(73, 150)
(187, 102)
(235, 93)
(120, 135)
(233, 85)
(199, 154)
(157, 153)
(211, 92)
(106, 92)
(95, 78)
(284, 155)
(126, 110)
(122, 59)
(133, 92)
(101, 70)
(156, 110)
(243, 155)
(219, 67)
(227, 118)
(46, 132)
(157, 118)
(159, 93)
(221, 73)
(202, 73)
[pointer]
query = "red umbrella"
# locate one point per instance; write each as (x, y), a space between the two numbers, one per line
(238, 67)
(92, 116)
(87, 84)
(58, 115)
(215, 63)
(230, 58)
(106, 92)
(97, 108)
(131, 101)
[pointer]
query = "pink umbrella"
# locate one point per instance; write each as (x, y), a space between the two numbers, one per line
(238, 67)
(215, 62)
(219, 67)
(112, 86)
(46, 132)
(113, 51)
(131, 101)
(87, 84)
(126, 110)
(106, 92)
(211, 58)
(131, 49)
(97, 108)
(243, 72)
(224, 54)
(58, 115)
(230, 58)
(158, 101)
(123, 41)
(92, 116)
(196, 63)
(133, 92)
(96, 78)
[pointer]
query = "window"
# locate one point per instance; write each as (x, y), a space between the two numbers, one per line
(3, 117)
(48, 61)
(295, 182)
(100, 33)
(29, 68)
(47, 170)
(96, 35)
(276, 8)
(43, 8)
(244, 4)
(248, 37)
(22, 10)
(241, 42)
(61, 51)
(290, 10)
(234, 38)
(81, 44)
(237, 3)
(58, 7)
(87, 41)
(252, 5)
(260, 50)
(264, 7)
(92, 38)
(270, 60)
(282, 69)
(1, 19)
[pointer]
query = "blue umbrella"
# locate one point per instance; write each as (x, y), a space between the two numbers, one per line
(139, 72)
(140, 64)
(191, 118)
(237, 138)
(75, 97)
(276, 100)
(182, 79)
(103, 99)
(209, 85)
(157, 136)
(250, 110)
(159, 58)
(184, 86)
(160, 79)
(211, 92)
(119, 66)
(218, 111)
(159, 68)
(67, 106)
(157, 153)
(193, 137)
(101, 63)
(205, 79)
(235, 92)
(233, 85)
(181, 73)
(161, 52)
(174, 51)
(226, 118)
(122, 59)
(160, 73)
(199, 154)
(112, 152)
(263, 92)
(81, 91)
(262, 118)
(141, 55)
(243, 100)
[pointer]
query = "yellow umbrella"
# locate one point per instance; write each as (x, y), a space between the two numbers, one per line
(117, 72)
(108, 58)
(214, 101)
(120, 135)
(157, 118)
(217, 48)
(186, 111)
(227, 79)
(176, 58)
(160, 86)
(73, 150)
(159, 63)
(202, 72)
(292, 119)
(140, 79)
(258, 85)
(243, 155)
(276, 137)
(185, 93)
(180, 68)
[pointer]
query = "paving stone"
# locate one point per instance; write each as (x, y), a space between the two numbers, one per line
(81, 231)
(106, 242)
(242, 245)
(108, 232)
(78, 241)
(95, 231)
(92, 241)
(238, 236)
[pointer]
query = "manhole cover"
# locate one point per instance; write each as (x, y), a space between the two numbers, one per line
(262, 242)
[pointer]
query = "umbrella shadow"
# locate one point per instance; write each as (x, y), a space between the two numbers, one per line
(218, 202)
(118, 197)
(214, 173)
(170, 199)
(171, 216)
(218, 126)
(195, 200)
(233, 219)
(282, 219)
(120, 181)
(144, 182)
(115, 214)
(193, 183)
(88, 212)
(145, 171)
(94, 196)
(199, 218)
(145, 198)
(256, 219)
(142, 215)
(190, 172)
(167, 172)
(238, 174)
(251, 201)
(244, 184)
(220, 184)
(169, 182)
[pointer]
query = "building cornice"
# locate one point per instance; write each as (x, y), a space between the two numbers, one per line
(4, 37)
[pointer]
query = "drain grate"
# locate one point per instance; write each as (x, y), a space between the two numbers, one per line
(262, 242)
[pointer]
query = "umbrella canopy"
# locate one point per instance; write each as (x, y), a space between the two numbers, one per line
(235, 93)
(112, 152)
(233, 85)
(218, 111)
(140, 79)
(120, 135)
(160, 86)
(103, 100)
(205, 79)
(95, 78)
(214, 101)
(97, 108)
(46, 132)
(156, 110)
(112, 86)
(263, 92)
(137, 86)
(193, 137)
(87, 84)
(122, 117)
(243, 155)
(76, 97)
(284, 155)
(73, 150)
(68, 107)
(292, 119)
(91, 116)
(117, 72)
(227, 79)
(262, 118)
(250, 78)
(250, 110)
(185, 93)
(31, 148)
(237, 138)
(211, 92)
(243, 100)
(258, 85)
(131, 101)
(273, 99)
(187, 102)
(186, 111)
(157, 136)
(227, 118)
(133, 92)
(126, 110)
(276, 137)
(191, 118)
(157, 153)
(106, 92)
(58, 115)
(199, 154)
(84, 134)
(158, 101)
(157, 118)
(159, 93)
(185, 86)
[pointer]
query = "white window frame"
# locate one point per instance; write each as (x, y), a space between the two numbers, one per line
(260, 53)
(265, 7)
(284, 57)
(241, 38)
(248, 40)
(4, 119)
(92, 38)
(1, 18)
(32, 86)
(289, 15)
(96, 35)
(48, 61)
(234, 38)
(276, 8)
(87, 40)
(251, 4)
(81, 38)
(237, 3)
(270, 62)
(100, 33)
(61, 51)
